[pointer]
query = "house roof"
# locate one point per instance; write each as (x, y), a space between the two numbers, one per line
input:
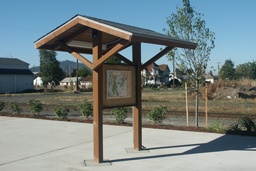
(207, 76)
(69, 79)
(77, 32)
(163, 67)
(151, 66)
(12, 61)
(15, 71)
(88, 78)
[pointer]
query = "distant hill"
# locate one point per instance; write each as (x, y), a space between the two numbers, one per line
(64, 65)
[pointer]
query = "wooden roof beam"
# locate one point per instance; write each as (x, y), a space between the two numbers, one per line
(72, 36)
(104, 28)
(55, 33)
(109, 54)
(121, 57)
(75, 54)
(156, 57)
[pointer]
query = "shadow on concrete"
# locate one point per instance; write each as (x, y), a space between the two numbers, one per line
(224, 143)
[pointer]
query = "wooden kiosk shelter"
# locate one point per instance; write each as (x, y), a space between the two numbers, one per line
(104, 39)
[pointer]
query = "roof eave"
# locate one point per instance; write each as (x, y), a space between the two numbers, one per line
(167, 42)
(78, 19)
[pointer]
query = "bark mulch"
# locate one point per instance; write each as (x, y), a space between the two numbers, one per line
(168, 127)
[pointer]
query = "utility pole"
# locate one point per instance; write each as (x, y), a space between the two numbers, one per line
(70, 75)
(218, 67)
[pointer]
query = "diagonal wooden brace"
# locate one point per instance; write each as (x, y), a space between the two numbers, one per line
(75, 54)
(156, 57)
(110, 53)
(121, 57)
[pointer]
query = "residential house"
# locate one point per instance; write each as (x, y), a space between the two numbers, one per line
(181, 75)
(156, 74)
(208, 78)
(38, 80)
(68, 80)
(15, 75)
(86, 82)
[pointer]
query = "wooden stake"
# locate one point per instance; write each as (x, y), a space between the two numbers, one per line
(97, 99)
(76, 74)
(186, 92)
(136, 48)
(206, 110)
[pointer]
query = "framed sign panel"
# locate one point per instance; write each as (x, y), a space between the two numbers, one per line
(119, 85)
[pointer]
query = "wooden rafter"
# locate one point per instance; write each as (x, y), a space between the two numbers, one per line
(156, 57)
(72, 36)
(75, 54)
(118, 55)
(104, 28)
(46, 39)
(110, 53)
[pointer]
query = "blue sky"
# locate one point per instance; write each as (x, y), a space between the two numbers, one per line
(24, 21)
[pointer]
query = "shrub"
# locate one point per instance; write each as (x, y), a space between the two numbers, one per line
(61, 112)
(157, 114)
(85, 109)
(234, 127)
(248, 123)
(216, 126)
(120, 114)
(14, 107)
(35, 106)
(1, 105)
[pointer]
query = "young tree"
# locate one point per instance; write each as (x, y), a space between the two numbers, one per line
(227, 71)
(49, 67)
(188, 25)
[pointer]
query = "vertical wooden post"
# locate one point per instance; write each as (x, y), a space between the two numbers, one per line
(206, 110)
(97, 98)
(136, 52)
(186, 90)
(76, 75)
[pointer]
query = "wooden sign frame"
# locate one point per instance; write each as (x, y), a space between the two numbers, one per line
(130, 99)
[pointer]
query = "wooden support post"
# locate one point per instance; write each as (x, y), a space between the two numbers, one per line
(186, 92)
(136, 51)
(97, 98)
(206, 110)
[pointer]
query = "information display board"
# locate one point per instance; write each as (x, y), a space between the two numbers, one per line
(119, 85)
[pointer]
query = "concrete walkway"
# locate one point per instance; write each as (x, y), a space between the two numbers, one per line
(33, 144)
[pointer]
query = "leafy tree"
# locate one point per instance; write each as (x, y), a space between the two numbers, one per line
(246, 70)
(114, 60)
(49, 67)
(227, 71)
(187, 24)
(82, 72)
